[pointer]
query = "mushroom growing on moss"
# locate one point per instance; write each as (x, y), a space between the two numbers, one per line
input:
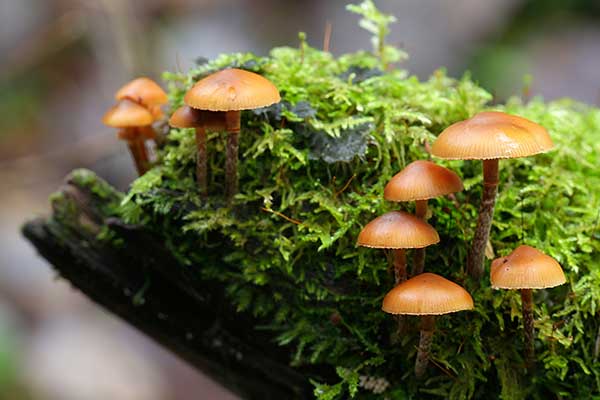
(398, 230)
(426, 295)
(226, 93)
(146, 92)
(420, 181)
(489, 136)
(526, 268)
(131, 118)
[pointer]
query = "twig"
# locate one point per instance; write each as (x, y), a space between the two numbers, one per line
(345, 186)
(292, 220)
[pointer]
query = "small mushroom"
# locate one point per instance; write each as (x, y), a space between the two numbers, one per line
(489, 136)
(146, 92)
(526, 268)
(187, 117)
(419, 181)
(132, 119)
(225, 94)
(426, 295)
(398, 230)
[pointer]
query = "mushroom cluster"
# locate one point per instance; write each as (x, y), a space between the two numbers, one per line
(138, 105)
(425, 294)
(215, 103)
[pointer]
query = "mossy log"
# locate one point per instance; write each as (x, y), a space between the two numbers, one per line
(142, 283)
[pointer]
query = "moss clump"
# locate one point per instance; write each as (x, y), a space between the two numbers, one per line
(312, 173)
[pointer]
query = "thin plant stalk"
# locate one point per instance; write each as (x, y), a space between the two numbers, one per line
(419, 254)
(427, 329)
(527, 301)
(475, 260)
(201, 161)
(399, 256)
(232, 124)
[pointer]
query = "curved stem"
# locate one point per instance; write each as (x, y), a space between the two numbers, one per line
(527, 300)
(135, 143)
(427, 328)
(484, 222)
(232, 123)
(399, 265)
(419, 254)
(201, 161)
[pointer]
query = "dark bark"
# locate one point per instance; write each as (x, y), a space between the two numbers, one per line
(427, 329)
(419, 254)
(527, 300)
(143, 284)
(475, 261)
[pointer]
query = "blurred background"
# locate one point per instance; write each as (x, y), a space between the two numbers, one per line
(62, 61)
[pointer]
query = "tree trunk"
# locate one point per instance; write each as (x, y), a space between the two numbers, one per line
(144, 285)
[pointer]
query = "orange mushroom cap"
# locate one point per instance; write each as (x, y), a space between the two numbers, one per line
(126, 114)
(491, 135)
(422, 180)
(397, 230)
(144, 91)
(232, 90)
(526, 268)
(185, 117)
(427, 294)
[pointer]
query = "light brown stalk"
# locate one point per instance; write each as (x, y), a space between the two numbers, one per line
(475, 260)
(419, 254)
(527, 300)
(232, 124)
(201, 161)
(399, 265)
(427, 329)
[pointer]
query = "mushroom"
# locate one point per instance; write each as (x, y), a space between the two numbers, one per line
(489, 136)
(146, 92)
(224, 94)
(419, 181)
(526, 268)
(426, 295)
(187, 117)
(131, 118)
(398, 230)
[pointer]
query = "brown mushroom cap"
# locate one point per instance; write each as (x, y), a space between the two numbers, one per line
(422, 180)
(397, 230)
(491, 135)
(526, 268)
(427, 294)
(126, 113)
(185, 117)
(232, 90)
(144, 91)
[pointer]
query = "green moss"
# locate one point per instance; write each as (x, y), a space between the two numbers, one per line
(285, 249)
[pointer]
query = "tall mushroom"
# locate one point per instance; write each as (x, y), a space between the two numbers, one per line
(225, 94)
(420, 181)
(131, 118)
(426, 295)
(489, 136)
(146, 92)
(526, 268)
(187, 117)
(398, 230)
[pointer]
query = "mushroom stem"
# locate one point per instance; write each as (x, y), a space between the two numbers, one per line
(137, 149)
(484, 221)
(527, 300)
(201, 161)
(427, 328)
(232, 124)
(399, 265)
(419, 254)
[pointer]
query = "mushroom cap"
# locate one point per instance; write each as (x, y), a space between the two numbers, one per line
(143, 90)
(232, 90)
(427, 294)
(490, 135)
(397, 230)
(422, 180)
(185, 117)
(526, 268)
(126, 114)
